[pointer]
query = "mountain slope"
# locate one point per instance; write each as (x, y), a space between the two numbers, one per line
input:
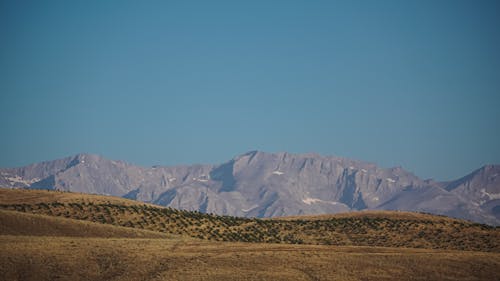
(258, 184)
(481, 188)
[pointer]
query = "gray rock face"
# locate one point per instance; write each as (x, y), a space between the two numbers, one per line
(258, 184)
(481, 188)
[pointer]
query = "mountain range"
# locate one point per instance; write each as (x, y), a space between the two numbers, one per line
(260, 184)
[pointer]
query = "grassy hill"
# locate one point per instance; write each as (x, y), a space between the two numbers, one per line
(17, 223)
(380, 228)
(70, 258)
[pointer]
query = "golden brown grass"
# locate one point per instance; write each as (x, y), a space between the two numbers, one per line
(34, 196)
(17, 223)
(69, 258)
(373, 214)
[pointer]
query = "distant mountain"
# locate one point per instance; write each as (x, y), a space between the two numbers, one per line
(259, 184)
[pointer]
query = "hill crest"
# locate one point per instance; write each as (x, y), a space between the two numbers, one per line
(382, 229)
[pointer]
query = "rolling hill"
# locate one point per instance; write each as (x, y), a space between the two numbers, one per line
(72, 258)
(368, 228)
(17, 223)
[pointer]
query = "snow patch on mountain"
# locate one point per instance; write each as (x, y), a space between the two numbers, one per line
(489, 195)
(309, 201)
(17, 179)
(249, 209)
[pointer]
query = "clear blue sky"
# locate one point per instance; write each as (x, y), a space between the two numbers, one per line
(411, 83)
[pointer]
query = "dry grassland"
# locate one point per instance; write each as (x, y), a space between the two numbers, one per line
(17, 223)
(69, 258)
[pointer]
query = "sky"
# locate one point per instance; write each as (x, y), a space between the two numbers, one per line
(397, 83)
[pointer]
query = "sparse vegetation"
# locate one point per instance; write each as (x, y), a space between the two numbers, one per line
(17, 223)
(383, 229)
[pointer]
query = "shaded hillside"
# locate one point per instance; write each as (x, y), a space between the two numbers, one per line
(387, 229)
(17, 223)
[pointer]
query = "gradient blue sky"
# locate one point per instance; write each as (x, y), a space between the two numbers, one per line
(411, 83)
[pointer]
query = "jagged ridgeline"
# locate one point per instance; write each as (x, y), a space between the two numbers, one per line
(376, 228)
